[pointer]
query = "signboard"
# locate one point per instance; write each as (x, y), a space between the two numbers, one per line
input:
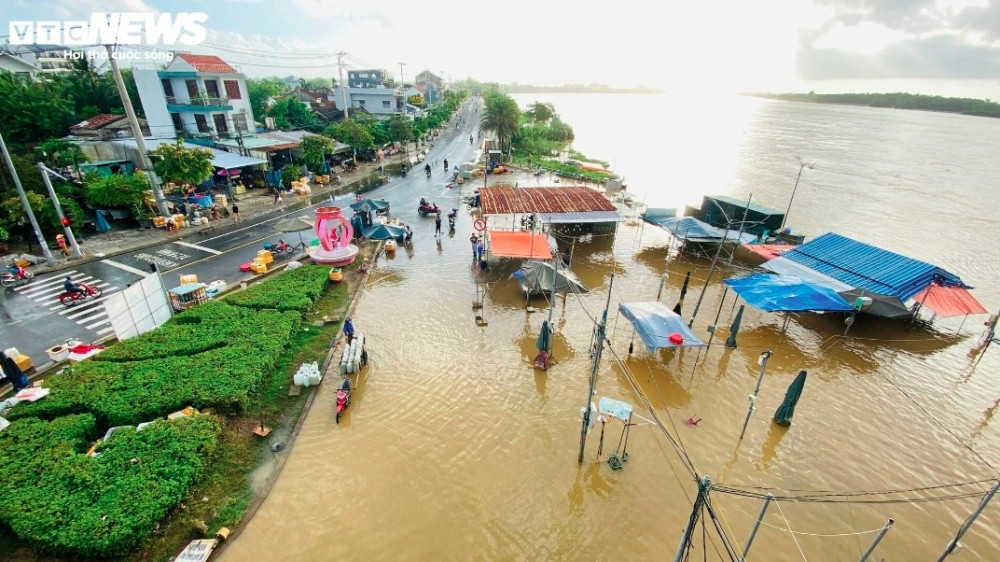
(139, 308)
(197, 551)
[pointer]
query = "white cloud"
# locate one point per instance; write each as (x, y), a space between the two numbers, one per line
(865, 38)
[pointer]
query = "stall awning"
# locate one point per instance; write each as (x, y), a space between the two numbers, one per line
(228, 160)
(658, 326)
(949, 301)
(786, 293)
(518, 244)
(768, 251)
(691, 229)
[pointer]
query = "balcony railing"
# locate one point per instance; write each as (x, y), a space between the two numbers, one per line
(200, 101)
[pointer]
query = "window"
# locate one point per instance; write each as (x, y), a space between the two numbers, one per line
(385, 105)
(240, 122)
(361, 103)
(178, 124)
(220, 123)
(192, 88)
(202, 123)
(212, 87)
(233, 89)
(168, 88)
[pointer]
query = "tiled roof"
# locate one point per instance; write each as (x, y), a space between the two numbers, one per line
(207, 63)
(507, 200)
(97, 121)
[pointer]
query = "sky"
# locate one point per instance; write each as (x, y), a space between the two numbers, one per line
(944, 47)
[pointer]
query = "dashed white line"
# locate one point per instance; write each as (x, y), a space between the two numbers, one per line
(197, 247)
(127, 268)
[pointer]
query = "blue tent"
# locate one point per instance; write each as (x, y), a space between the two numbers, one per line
(786, 293)
(693, 230)
(656, 323)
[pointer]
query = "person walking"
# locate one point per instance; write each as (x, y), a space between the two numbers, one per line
(236, 213)
(474, 240)
(437, 225)
(348, 329)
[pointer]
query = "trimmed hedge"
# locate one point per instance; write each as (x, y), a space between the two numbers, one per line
(298, 290)
(62, 501)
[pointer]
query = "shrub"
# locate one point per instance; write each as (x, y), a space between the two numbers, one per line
(62, 501)
(296, 289)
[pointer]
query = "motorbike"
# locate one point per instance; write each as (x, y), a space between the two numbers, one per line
(15, 275)
(343, 398)
(426, 209)
(446, 165)
(280, 247)
(71, 299)
(470, 140)
(428, 170)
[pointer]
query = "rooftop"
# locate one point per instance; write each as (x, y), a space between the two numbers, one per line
(207, 63)
(97, 121)
(508, 200)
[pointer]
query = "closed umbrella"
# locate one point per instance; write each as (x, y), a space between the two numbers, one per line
(684, 290)
(545, 337)
(783, 415)
(735, 328)
(384, 232)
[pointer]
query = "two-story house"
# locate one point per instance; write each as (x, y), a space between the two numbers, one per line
(195, 96)
(433, 85)
(367, 78)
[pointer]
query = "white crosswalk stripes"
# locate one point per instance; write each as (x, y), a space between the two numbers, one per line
(89, 313)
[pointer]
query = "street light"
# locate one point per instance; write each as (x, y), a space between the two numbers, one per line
(802, 165)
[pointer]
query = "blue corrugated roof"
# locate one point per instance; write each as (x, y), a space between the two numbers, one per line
(868, 267)
(694, 230)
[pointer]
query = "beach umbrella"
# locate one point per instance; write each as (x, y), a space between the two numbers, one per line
(384, 232)
(783, 415)
(545, 337)
(369, 205)
(735, 328)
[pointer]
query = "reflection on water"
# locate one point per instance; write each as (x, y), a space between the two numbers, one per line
(456, 448)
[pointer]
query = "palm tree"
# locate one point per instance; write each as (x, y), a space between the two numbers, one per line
(501, 116)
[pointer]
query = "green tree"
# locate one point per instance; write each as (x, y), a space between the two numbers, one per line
(541, 112)
(290, 113)
(501, 116)
(32, 111)
(315, 148)
(117, 191)
(57, 153)
(182, 166)
(259, 89)
(91, 93)
(351, 133)
(315, 83)
(291, 172)
(44, 211)
(399, 128)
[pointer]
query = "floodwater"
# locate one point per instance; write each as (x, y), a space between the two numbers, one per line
(454, 448)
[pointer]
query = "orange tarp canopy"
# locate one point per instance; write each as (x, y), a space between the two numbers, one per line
(519, 244)
(949, 301)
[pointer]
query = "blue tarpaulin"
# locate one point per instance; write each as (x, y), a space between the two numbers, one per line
(693, 230)
(655, 324)
(786, 293)
(101, 223)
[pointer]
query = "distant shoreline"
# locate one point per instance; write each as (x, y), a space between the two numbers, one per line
(899, 100)
(525, 89)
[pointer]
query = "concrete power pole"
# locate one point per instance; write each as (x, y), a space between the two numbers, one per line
(27, 206)
(402, 92)
(140, 142)
(343, 90)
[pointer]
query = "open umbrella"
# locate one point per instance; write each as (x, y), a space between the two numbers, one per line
(384, 232)
(735, 328)
(783, 415)
(369, 205)
(545, 337)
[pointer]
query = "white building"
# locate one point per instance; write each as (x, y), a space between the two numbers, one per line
(377, 101)
(195, 96)
(18, 66)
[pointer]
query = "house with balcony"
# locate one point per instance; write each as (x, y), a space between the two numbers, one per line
(367, 78)
(197, 97)
(432, 84)
(376, 101)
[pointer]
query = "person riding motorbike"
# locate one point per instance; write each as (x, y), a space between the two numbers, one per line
(70, 287)
(427, 168)
(423, 202)
(470, 139)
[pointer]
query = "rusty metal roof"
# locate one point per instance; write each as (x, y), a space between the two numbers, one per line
(509, 200)
(97, 121)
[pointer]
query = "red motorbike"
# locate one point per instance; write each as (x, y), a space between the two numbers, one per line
(15, 275)
(428, 209)
(87, 291)
(343, 398)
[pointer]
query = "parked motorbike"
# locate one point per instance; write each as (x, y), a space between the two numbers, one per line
(71, 299)
(426, 209)
(343, 398)
(15, 275)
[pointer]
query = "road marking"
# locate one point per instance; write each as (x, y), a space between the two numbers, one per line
(105, 330)
(86, 305)
(127, 268)
(197, 247)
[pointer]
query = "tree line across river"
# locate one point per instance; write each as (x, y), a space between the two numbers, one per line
(899, 100)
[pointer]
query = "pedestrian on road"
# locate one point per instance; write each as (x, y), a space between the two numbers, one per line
(437, 225)
(474, 240)
(236, 213)
(277, 196)
(349, 329)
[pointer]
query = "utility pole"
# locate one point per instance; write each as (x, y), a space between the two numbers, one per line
(343, 89)
(802, 165)
(753, 399)
(27, 206)
(59, 212)
(140, 142)
(968, 522)
(715, 260)
(402, 92)
(699, 503)
(593, 371)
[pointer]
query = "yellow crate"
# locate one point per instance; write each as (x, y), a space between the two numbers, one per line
(24, 362)
(258, 267)
(189, 278)
(265, 256)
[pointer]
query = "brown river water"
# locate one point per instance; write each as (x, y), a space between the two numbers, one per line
(454, 448)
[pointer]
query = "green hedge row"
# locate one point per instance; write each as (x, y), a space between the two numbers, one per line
(298, 290)
(62, 501)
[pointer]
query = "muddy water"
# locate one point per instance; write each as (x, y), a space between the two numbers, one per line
(454, 448)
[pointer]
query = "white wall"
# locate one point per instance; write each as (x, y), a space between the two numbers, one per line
(154, 103)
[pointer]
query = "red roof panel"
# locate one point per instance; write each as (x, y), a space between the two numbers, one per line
(97, 121)
(207, 63)
(509, 200)
(949, 301)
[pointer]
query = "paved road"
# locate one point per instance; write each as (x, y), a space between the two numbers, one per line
(33, 320)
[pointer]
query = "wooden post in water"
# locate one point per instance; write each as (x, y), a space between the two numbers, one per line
(753, 399)
(593, 371)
